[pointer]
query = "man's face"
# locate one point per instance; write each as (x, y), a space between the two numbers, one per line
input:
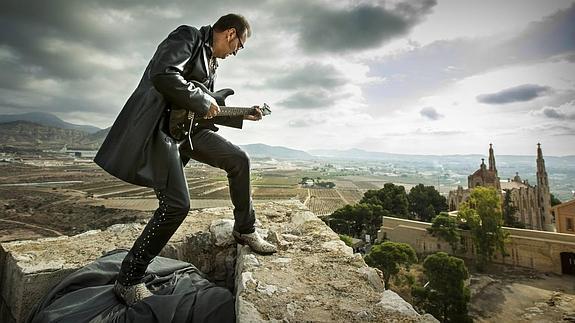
(229, 43)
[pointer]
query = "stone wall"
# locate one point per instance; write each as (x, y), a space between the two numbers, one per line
(314, 276)
(539, 250)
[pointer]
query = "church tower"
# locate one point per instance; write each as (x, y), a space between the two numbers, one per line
(492, 160)
(543, 195)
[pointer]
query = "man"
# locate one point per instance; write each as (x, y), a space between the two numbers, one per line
(139, 150)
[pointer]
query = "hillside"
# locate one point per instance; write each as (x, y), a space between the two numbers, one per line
(25, 134)
(47, 119)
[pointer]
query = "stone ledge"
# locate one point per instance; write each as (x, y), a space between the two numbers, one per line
(314, 276)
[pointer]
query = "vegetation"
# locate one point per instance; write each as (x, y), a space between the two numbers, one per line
(317, 182)
(482, 214)
(509, 211)
(425, 202)
(391, 198)
(554, 200)
(445, 296)
(389, 257)
(422, 202)
(346, 239)
(445, 228)
(358, 220)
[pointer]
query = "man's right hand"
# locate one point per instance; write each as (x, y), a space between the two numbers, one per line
(213, 111)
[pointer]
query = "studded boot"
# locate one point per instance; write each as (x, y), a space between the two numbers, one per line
(131, 294)
(255, 241)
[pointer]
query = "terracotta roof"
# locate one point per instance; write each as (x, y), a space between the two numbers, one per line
(564, 204)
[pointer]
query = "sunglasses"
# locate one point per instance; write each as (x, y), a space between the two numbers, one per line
(241, 45)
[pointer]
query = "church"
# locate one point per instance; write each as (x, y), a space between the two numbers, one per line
(533, 203)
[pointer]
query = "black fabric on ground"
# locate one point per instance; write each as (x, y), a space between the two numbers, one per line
(181, 294)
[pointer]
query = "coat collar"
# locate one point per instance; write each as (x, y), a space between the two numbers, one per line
(208, 39)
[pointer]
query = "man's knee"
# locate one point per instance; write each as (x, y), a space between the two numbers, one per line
(175, 204)
(179, 208)
(240, 161)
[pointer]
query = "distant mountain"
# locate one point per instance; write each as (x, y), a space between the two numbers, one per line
(25, 134)
(262, 151)
(100, 135)
(351, 154)
(374, 155)
(47, 119)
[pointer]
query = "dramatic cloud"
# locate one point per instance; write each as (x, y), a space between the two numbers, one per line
(554, 113)
(521, 93)
(319, 64)
(310, 100)
(430, 113)
(420, 71)
(552, 35)
(308, 76)
(327, 29)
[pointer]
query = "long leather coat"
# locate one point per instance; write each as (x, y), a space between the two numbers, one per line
(138, 148)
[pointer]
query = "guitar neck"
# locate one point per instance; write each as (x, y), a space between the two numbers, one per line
(226, 111)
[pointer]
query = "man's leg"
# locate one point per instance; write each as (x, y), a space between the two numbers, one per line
(174, 204)
(212, 149)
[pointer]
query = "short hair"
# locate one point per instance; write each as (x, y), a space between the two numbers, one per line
(233, 20)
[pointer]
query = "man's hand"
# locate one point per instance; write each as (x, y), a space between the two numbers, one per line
(213, 111)
(256, 116)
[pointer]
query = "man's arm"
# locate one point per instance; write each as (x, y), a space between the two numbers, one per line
(237, 122)
(166, 71)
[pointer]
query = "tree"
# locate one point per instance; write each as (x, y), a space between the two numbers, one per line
(391, 198)
(509, 211)
(326, 184)
(554, 200)
(482, 214)
(425, 202)
(389, 257)
(445, 228)
(357, 220)
(445, 296)
(305, 179)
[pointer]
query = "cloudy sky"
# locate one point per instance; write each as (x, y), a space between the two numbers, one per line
(418, 77)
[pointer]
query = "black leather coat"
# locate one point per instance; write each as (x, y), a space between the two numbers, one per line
(138, 149)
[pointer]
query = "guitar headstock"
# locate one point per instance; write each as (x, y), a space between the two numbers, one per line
(265, 109)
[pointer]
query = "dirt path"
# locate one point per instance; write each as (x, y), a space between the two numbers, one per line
(308, 197)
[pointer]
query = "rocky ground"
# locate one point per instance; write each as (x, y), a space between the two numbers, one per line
(520, 295)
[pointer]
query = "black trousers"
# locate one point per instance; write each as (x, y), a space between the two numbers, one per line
(174, 201)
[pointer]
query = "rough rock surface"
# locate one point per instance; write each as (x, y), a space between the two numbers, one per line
(313, 276)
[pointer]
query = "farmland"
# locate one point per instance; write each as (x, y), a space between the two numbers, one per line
(50, 186)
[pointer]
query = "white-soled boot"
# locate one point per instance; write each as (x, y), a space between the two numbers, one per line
(132, 294)
(255, 241)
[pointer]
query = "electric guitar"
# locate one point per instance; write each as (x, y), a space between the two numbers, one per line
(182, 121)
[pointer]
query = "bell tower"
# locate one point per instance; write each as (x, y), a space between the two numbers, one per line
(492, 160)
(543, 195)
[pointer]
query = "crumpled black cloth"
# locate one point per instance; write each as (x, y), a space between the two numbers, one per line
(181, 294)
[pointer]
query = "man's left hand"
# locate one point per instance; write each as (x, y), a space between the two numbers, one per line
(256, 116)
